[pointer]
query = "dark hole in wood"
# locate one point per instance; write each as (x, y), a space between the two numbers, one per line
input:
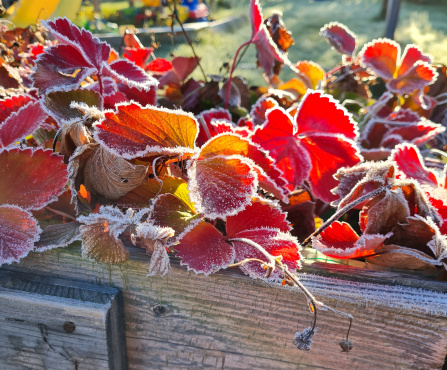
(69, 327)
(160, 310)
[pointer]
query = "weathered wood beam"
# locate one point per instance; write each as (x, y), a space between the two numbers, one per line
(229, 320)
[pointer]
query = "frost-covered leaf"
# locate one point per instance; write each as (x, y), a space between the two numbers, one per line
(207, 130)
(320, 113)
(21, 123)
(405, 74)
(260, 108)
(303, 340)
(31, 178)
(204, 250)
(61, 67)
(310, 147)
(339, 240)
(12, 104)
(270, 178)
(172, 212)
(57, 104)
(340, 37)
(312, 73)
(133, 131)
(100, 235)
(111, 176)
(410, 162)
(92, 49)
(144, 96)
(281, 36)
(18, 232)
(221, 185)
(154, 238)
(129, 74)
(58, 235)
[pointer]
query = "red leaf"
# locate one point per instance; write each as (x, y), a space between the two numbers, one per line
(31, 178)
(145, 96)
(12, 104)
(418, 76)
(256, 17)
(328, 153)
(234, 178)
(18, 232)
(159, 66)
(277, 136)
(207, 130)
(260, 108)
(381, 57)
(133, 131)
(410, 162)
(230, 144)
(319, 112)
(340, 37)
(411, 55)
(61, 67)
(138, 56)
(259, 214)
(129, 74)
(417, 134)
(94, 51)
(21, 123)
(340, 241)
(182, 67)
(205, 250)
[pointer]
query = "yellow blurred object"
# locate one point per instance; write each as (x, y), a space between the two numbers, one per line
(26, 12)
(152, 3)
(183, 13)
(67, 8)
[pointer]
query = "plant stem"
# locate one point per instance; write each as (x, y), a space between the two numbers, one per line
(189, 41)
(233, 66)
(345, 209)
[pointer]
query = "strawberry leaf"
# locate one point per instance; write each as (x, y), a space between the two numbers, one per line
(31, 178)
(133, 131)
(18, 232)
(339, 37)
(232, 176)
(204, 250)
(21, 123)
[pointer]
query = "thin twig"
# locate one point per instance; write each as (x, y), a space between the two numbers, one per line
(188, 40)
(345, 209)
(60, 213)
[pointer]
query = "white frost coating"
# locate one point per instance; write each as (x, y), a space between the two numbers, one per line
(197, 192)
(149, 149)
(151, 81)
(377, 295)
(116, 220)
(337, 104)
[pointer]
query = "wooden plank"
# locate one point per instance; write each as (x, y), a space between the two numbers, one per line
(59, 324)
(229, 320)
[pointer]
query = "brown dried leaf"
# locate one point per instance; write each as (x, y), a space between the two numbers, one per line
(111, 176)
(100, 234)
(74, 135)
(388, 210)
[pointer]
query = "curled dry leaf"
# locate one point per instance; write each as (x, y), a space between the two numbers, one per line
(100, 234)
(154, 238)
(111, 176)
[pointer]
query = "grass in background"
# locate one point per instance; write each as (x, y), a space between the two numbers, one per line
(424, 25)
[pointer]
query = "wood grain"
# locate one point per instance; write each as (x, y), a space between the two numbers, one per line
(49, 323)
(229, 320)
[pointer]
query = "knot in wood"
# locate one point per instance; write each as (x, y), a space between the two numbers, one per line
(160, 310)
(69, 326)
